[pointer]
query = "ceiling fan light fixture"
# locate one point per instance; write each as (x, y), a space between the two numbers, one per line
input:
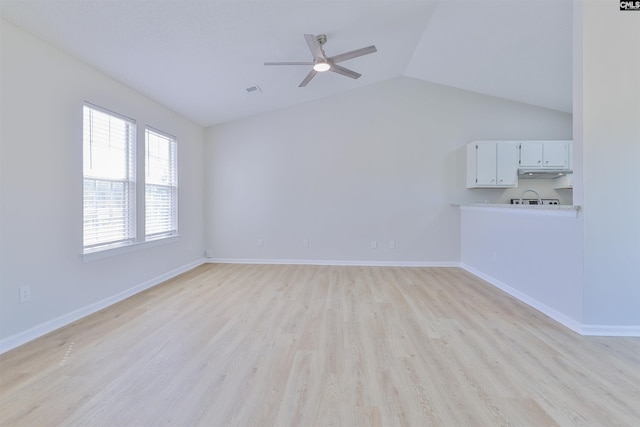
(321, 66)
(322, 63)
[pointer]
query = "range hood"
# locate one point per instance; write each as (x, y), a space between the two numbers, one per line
(538, 173)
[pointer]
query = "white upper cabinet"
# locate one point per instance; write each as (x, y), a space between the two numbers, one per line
(531, 154)
(507, 167)
(492, 164)
(485, 165)
(544, 154)
(565, 181)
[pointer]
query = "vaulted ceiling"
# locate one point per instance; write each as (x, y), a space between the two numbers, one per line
(198, 57)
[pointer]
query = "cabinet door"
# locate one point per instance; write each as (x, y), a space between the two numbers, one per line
(486, 164)
(507, 164)
(555, 155)
(531, 154)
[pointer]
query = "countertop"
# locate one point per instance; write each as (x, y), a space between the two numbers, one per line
(537, 210)
(510, 206)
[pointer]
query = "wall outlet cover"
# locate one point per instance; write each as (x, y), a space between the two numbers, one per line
(25, 294)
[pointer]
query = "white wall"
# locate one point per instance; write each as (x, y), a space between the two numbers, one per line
(42, 93)
(610, 126)
(381, 163)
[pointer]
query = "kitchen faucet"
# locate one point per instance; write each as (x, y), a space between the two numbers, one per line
(531, 189)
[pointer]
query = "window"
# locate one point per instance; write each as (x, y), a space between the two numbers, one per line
(109, 204)
(161, 193)
(113, 217)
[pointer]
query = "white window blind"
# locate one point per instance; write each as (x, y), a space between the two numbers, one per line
(109, 178)
(161, 191)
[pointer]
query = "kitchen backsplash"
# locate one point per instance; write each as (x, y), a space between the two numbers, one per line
(544, 186)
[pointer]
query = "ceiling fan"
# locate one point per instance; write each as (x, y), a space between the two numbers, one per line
(323, 63)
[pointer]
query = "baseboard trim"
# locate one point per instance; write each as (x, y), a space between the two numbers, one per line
(355, 263)
(579, 328)
(543, 308)
(21, 338)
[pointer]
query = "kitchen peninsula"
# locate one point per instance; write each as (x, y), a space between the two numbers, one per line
(532, 252)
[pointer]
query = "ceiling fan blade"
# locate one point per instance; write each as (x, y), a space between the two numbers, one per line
(288, 63)
(353, 54)
(344, 71)
(308, 78)
(314, 46)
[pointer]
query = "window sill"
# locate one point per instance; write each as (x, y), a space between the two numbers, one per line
(98, 254)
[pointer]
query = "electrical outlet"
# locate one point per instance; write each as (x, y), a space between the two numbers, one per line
(306, 243)
(392, 244)
(25, 294)
(260, 243)
(374, 244)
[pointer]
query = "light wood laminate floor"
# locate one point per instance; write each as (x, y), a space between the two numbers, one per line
(251, 345)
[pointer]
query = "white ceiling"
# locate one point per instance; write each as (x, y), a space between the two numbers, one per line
(198, 57)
